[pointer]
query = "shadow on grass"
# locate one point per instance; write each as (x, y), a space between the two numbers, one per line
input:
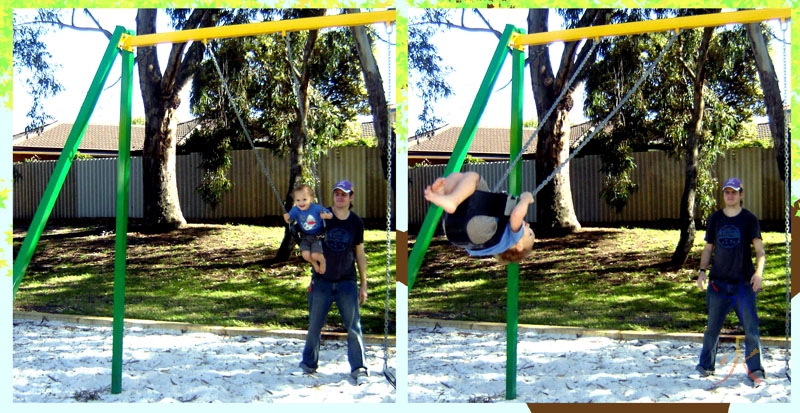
(598, 278)
(206, 274)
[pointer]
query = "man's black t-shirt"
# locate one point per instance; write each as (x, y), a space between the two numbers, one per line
(341, 238)
(732, 237)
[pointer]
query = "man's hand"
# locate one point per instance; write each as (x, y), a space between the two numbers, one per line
(756, 281)
(362, 295)
(701, 280)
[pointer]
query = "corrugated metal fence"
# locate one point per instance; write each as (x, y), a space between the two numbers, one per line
(90, 188)
(659, 177)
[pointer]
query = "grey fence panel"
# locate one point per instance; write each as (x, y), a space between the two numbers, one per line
(96, 181)
(29, 188)
(90, 188)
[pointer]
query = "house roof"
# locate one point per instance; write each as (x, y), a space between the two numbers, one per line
(494, 142)
(97, 138)
(488, 142)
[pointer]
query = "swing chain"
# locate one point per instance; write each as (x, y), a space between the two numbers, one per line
(389, 150)
(611, 114)
(564, 91)
(787, 195)
(244, 127)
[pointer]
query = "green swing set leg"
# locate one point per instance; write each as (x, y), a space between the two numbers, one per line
(121, 237)
(434, 213)
(514, 187)
(64, 162)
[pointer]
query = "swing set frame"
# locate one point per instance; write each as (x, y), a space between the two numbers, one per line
(513, 41)
(123, 42)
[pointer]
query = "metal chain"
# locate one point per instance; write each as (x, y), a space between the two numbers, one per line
(389, 201)
(544, 119)
(787, 190)
(244, 128)
(610, 115)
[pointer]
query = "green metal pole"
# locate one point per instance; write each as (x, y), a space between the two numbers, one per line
(64, 163)
(514, 187)
(459, 153)
(121, 237)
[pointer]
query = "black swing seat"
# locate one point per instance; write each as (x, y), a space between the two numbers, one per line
(494, 204)
(294, 229)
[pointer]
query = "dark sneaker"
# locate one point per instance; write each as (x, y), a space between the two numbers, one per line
(757, 378)
(359, 375)
(306, 369)
(703, 372)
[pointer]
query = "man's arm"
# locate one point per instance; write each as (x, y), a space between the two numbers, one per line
(705, 259)
(361, 263)
(761, 257)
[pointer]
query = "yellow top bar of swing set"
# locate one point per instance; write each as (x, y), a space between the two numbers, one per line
(251, 29)
(651, 26)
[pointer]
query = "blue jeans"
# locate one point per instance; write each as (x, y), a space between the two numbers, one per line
(721, 297)
(321, 296)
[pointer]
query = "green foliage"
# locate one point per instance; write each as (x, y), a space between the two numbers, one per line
(660, 113)
(469, 159)
(617, 168)
(33, 62)
(426, 70)
(530, 123)
(258, 73)
(215, 165)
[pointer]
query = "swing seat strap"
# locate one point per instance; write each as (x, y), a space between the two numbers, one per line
(492, 204)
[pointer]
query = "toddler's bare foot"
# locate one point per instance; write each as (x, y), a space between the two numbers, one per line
(321, 268)
(438, 186)
(443, 201)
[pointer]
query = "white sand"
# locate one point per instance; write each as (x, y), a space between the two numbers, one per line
(63, 362)
(449, 365)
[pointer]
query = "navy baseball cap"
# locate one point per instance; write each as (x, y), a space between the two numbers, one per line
(733, 183)
(345, 186)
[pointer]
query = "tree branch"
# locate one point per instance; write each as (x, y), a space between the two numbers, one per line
(451, 25)
(97, 23)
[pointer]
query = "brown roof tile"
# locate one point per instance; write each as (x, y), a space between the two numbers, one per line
(96, 138)
(487, 140)
(494, 141)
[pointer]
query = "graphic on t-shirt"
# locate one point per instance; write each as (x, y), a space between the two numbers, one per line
(310, 223)
(729, 236)
(337, 239)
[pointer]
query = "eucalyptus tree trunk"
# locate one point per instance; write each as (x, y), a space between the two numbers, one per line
(772, 93)
(688, 206)
(377, 96)
(377, 101)
(161, 96)
(555, 208)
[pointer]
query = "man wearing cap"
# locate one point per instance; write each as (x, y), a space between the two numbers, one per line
(344, 282)
(733, 280)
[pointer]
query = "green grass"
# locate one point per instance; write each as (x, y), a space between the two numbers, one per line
(597, 278)
(204, 274)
